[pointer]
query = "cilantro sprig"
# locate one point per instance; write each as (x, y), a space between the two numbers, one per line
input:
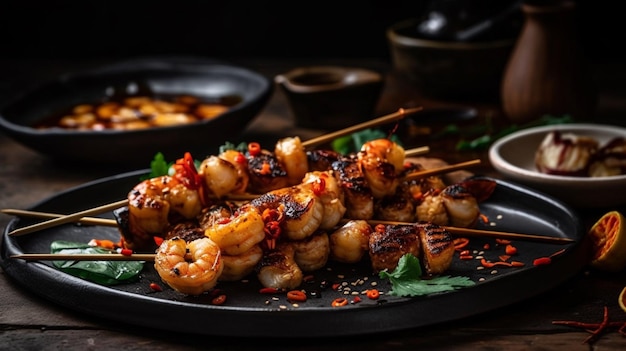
(406, 279)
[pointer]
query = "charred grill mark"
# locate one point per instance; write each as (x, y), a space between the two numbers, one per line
(274, 258)
(266, 165)
(350, 176)
(393, 238)
(188, 231)
(321, 160)
(438, 239)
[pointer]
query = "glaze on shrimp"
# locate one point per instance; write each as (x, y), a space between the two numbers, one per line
(193, 274)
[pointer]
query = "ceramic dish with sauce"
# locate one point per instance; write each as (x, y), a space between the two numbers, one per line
(33, 119)
(514, 157)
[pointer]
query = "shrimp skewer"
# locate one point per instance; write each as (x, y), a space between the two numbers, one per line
(192, 277)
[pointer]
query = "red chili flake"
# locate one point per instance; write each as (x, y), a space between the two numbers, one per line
(510, 250)
(503, 241)
(265, 168)
(219, 300)
(296, 296)
(224, 220)
(489, 264)
(460, 243)
(336, 286)
(254, 148)
(484, 218)
(158, 240)
(308, 278)
(542, 261)
(356, 299)
(372, 294)
(338, 302)
(155, 287)
(319, 186)
(504, 258)
(126, 252)
(269, 291)
(466, 257)
(464, 252)
(486, 246)
(240, 158)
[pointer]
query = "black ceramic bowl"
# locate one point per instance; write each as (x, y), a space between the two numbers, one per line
(205, 79)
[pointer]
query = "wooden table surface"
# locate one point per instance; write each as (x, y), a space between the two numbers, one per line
(28, 322)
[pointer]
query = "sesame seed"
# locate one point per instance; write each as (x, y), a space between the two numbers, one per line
(482, 279)
(282, 307)
(480, 268)
(495, 271)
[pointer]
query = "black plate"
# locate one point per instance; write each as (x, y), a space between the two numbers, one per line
(249, 313)
(170, 76)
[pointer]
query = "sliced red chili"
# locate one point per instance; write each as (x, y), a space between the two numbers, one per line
(373, 294)
(155, 287)
(269, 291)
(296, 296)
(254, 148)
(542, 261)
(338, 302)
(510, 250)
(219, 300)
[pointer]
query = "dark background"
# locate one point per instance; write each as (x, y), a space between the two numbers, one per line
(238, 29)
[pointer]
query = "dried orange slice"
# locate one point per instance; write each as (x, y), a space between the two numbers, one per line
(622, 299)
(609, 242)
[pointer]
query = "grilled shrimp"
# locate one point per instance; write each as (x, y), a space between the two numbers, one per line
(266, 173)
(291, 155)
(359, 200)
(461, 200)
(301, 210)
(388, 243)
(278, 268)
(239, 233)
(219, 212)
(220, 176)
(382, 161)
(312, 252)
(432, 209)
(398, 207)
(456, 204)
(350, 242)
(152, 202)
(193, 275)
(326, 187)
(240, 266)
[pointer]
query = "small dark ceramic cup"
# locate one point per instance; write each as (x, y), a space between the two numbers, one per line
(331, 97)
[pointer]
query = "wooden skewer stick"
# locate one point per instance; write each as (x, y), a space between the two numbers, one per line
(465, 232)
(444, 169)
(85, 257)
(401, 113)
(416, 151)
(47, 215)
(471, 232)
(68, 218)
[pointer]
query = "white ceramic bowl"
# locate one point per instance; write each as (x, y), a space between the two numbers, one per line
(514, 157)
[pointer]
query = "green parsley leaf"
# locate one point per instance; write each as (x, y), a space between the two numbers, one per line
(406, 279)
(241, 147)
